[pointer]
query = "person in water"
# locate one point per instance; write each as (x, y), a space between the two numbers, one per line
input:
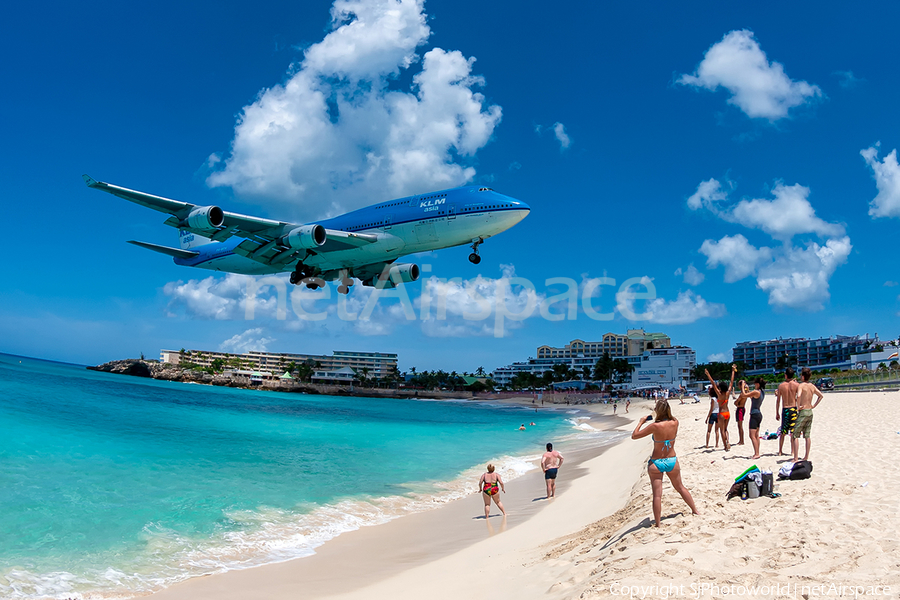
(663, 459)
(723, 395)
(491, 485)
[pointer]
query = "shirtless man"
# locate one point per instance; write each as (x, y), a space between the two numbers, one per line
(786, 407)
(805, 393)
(550, 464)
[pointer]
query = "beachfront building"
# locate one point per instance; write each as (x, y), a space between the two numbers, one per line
(578, 354)
(343, 375)
(374, 364)
(769, 356)
(875, 358)
(663, 367)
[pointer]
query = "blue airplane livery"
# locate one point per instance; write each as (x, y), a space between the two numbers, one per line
(364, 244)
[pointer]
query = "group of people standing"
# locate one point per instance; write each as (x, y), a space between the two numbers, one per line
(793, 407)
(791, 399)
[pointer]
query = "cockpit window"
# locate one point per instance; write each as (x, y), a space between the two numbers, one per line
(485, 189)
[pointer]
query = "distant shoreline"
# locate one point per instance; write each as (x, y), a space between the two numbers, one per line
(169, 372)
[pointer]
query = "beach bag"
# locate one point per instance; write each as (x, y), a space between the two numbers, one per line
(768, 484)
(738, 490)
(802, 470)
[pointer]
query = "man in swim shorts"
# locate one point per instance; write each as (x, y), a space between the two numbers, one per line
(786, 406)
(805, 393)
(551, 461)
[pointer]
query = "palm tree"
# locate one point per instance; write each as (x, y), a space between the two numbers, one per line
(479, 372)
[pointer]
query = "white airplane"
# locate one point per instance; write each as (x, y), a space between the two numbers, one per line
(363, 244)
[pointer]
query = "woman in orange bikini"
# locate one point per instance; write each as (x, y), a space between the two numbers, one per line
(663, 460)
(723, 395)
(491, 484)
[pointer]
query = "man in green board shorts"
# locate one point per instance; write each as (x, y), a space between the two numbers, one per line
(805, 393)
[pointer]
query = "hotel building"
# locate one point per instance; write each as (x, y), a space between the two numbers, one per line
(663, 367)
(578, 354)
(819, 353)
(379, 364)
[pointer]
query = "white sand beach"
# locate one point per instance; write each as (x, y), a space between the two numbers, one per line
(835, 530)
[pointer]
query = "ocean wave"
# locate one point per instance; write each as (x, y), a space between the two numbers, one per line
(248, 538)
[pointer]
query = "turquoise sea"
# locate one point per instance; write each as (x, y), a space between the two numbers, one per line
(117, 485)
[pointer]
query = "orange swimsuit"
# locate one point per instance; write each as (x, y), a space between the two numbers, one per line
(723, 410)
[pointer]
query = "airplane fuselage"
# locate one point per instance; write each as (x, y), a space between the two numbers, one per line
(454, 217)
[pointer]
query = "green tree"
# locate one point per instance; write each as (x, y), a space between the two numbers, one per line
(603, 368)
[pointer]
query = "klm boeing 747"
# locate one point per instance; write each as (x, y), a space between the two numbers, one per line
(364, 244)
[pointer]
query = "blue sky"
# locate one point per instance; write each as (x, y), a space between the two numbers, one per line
(741, 159)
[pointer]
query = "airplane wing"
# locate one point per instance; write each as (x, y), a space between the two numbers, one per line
(265, 240)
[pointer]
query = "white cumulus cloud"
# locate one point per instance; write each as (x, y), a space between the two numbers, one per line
(718, 357)
(219, 298)
(887, 181)
(798, 278)
(739, 257)
(692, 276)
(336, 135)
(761, 89)
(688, 307)
(792, 276)
(251, 340)
(788, 214)
(559, 130)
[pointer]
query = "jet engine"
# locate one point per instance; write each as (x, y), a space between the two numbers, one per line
(205, 218)
(306, 237)
(402, 273)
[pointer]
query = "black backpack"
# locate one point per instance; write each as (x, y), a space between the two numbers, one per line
(802, 470)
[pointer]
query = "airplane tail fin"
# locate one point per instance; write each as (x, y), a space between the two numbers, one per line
(188, 240)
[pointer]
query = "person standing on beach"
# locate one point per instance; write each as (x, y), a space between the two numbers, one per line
(805, 393)
(740, 411)
(491, 484)
(756, 399)
(551, 461)
(723, 395)
(663, 459)
(786, 407)
(712, 417)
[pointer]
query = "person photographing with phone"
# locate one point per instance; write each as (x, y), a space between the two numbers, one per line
(663, 460)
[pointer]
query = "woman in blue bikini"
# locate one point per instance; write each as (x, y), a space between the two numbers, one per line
(663, 459)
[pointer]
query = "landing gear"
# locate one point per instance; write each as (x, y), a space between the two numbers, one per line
(474, 258)
(346, 284)
(313, 283)
(302, 272)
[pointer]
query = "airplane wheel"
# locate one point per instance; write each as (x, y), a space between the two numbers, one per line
(474, 259)
(295, 278)
(343, 289)
(312, 286)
